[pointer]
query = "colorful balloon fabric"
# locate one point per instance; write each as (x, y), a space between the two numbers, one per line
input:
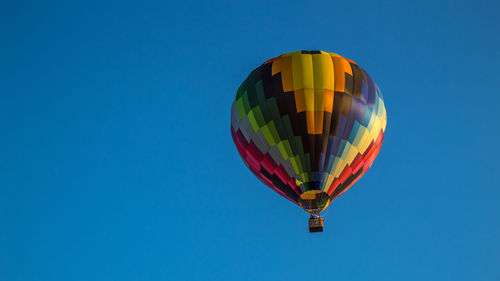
(308, 124)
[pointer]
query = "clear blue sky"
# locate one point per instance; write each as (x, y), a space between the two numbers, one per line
(116, 160)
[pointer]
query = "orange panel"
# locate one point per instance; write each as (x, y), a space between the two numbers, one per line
(300, 100)
(328, 100)
(273, 59)
(347, 66)
(339, 74)
(310, 122)
(318, 122)
(276, 67)
(286, 74)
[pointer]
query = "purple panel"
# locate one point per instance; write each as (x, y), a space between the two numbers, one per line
(371, 91)
(336, 143)
(333, 146)
(364, 91)
(347, 132)
(341, 126)
(355, 114)
(318, 177)
(329, 149)
(321, 162)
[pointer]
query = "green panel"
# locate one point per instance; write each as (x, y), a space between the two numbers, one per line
(305, 178)
(259, 91)
(294, 146)
(288, 149)
(253, 122)
(281, 147)
(272, 105)
(296, 164)
(307, 162)
(240, 108)
(246, 104)
(268, 135)
(273, 131)
(258, 116)
(252, 96)
(241, 89)
(287, 126)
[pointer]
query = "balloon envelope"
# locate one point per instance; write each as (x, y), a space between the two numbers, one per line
(308, 124)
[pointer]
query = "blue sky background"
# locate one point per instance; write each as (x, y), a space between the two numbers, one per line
(116, 160)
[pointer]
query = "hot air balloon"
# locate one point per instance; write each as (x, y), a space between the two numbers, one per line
(308, 124)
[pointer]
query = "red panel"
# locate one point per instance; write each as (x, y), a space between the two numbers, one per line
(281, 173)
(268, 163)
(334, 186)
(347, 173)
(254, 159)
(254, 152)
(360, 162)
(273, 59)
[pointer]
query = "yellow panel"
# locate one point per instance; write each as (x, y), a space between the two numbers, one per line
(337, 167)
(309, 99)
(372, 136)
(364, 142)
(376, 127)
(344, 164)
(348, 155)
(340, 168)
(361, 144)
(323, 72)
(384, 120)
(353, 152)
(328, 183)
(319, 100)
(302, 69)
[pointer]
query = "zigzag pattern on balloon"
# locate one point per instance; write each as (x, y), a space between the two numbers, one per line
(308, 120)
